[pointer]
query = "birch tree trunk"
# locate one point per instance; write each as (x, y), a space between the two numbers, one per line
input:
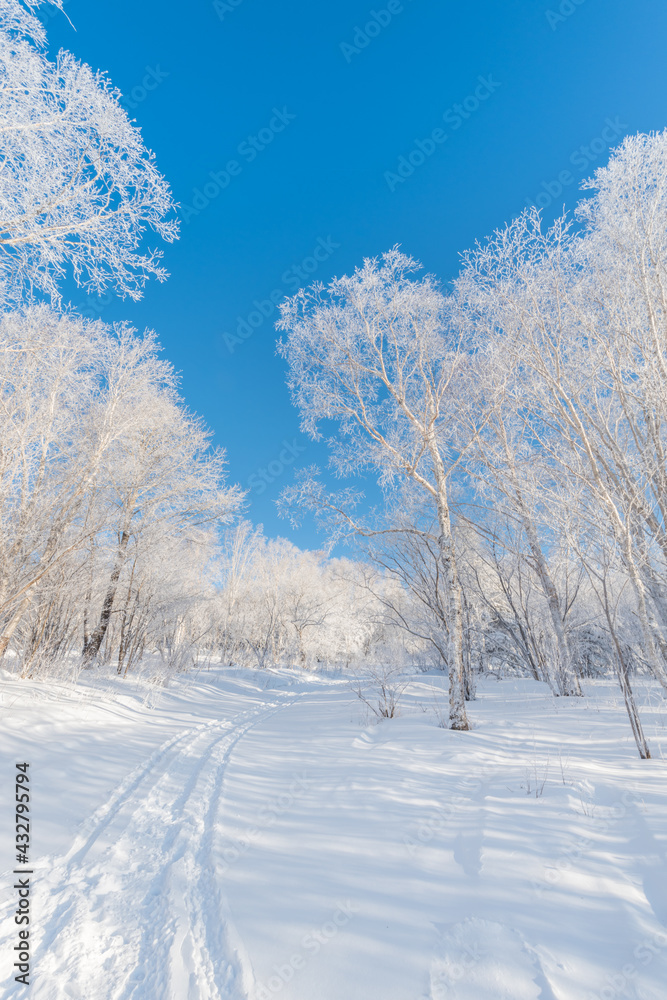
(457, 708)
(624, 681)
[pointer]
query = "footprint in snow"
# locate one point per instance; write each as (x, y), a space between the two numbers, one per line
(479, 958)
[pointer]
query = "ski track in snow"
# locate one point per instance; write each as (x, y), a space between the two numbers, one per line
(138, 889)
(473, 870)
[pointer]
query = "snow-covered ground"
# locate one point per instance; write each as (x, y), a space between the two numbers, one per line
(245, 835)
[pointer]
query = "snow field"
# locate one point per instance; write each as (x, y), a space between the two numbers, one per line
(250, 836)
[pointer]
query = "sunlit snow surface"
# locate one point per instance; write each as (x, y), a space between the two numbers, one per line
(246, 835)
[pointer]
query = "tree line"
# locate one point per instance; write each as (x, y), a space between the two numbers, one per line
(514, 420)
(524, 407)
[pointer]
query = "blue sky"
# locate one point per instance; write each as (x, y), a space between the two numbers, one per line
(301, 137)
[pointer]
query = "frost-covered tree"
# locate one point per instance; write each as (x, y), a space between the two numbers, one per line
(504, 585)
(578, 404)
(579, 314)
(78, 187)
(408, 554)
(158, 473)
(378, 354)
(101, 469)
(49, 374)
(279, 605)
(512, 476)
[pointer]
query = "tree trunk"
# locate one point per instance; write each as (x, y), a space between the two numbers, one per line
(457, 709)
(468, 675)
(653, 639)
(624, 681)
(566, 677)
(92, 647)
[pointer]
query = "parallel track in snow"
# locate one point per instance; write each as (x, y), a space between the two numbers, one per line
(135, 910)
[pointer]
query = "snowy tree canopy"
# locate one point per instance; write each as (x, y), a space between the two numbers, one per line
(78, 187)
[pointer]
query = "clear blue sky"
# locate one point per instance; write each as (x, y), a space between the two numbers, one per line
(314, 116)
